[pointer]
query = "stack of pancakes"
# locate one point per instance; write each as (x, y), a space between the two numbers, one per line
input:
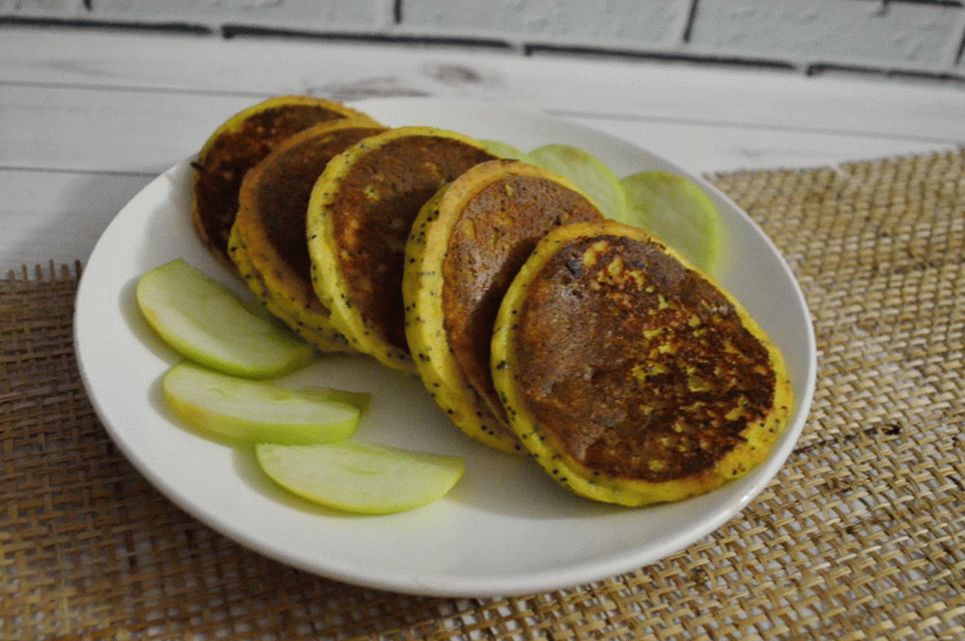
(535, 324)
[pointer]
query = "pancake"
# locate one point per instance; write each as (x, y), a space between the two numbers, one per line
(465, 247)
(268, 241)
(630, 376)
(333, 340)
(237, 146)
(359, 217)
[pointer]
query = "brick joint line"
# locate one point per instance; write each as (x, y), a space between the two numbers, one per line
(691, 16)
(237, 30)
(112, 25)
(669, 56)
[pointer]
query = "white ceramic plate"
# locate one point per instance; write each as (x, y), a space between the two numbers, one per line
(506, 528)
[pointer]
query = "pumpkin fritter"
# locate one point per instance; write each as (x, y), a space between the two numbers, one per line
(312, 336)
(359, 217)
(237, 146)
(630, 376)
(239, 256)
(270, 226)
(465, 247)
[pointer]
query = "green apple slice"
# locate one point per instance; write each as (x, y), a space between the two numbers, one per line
(360, 477)
(677, 211)
(200, 318)
(502, 149)
(589, 173)
(256, 410)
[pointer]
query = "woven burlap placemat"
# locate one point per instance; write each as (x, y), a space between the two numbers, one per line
(858, 537)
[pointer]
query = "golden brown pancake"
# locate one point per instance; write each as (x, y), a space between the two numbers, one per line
(308, 333)
(237, 146)
(268, 241)
(631, 377)
(359, 217)
(464, 249)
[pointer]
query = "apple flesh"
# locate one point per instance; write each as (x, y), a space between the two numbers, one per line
(587, 172)
(259, 411)
(201, 319)
(678, 212)
(359, 477)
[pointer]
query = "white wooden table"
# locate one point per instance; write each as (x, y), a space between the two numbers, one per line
(87, 118)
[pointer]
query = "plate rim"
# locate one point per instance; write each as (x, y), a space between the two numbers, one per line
(445, 585)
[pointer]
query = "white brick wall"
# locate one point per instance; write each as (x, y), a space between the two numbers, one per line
(898, 38)
(326, 15)
(863, 32)
(601, 23)
(44, 8)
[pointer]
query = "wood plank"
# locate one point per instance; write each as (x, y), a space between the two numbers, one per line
(706, 149)
(73, 128)
(58, 216)
(256, 67)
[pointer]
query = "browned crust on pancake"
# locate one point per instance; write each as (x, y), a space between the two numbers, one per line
(372, 210)
(238, 146)
(635, 366)
(284, 183)
(318, 334)
(496, 231)
(271, 223)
